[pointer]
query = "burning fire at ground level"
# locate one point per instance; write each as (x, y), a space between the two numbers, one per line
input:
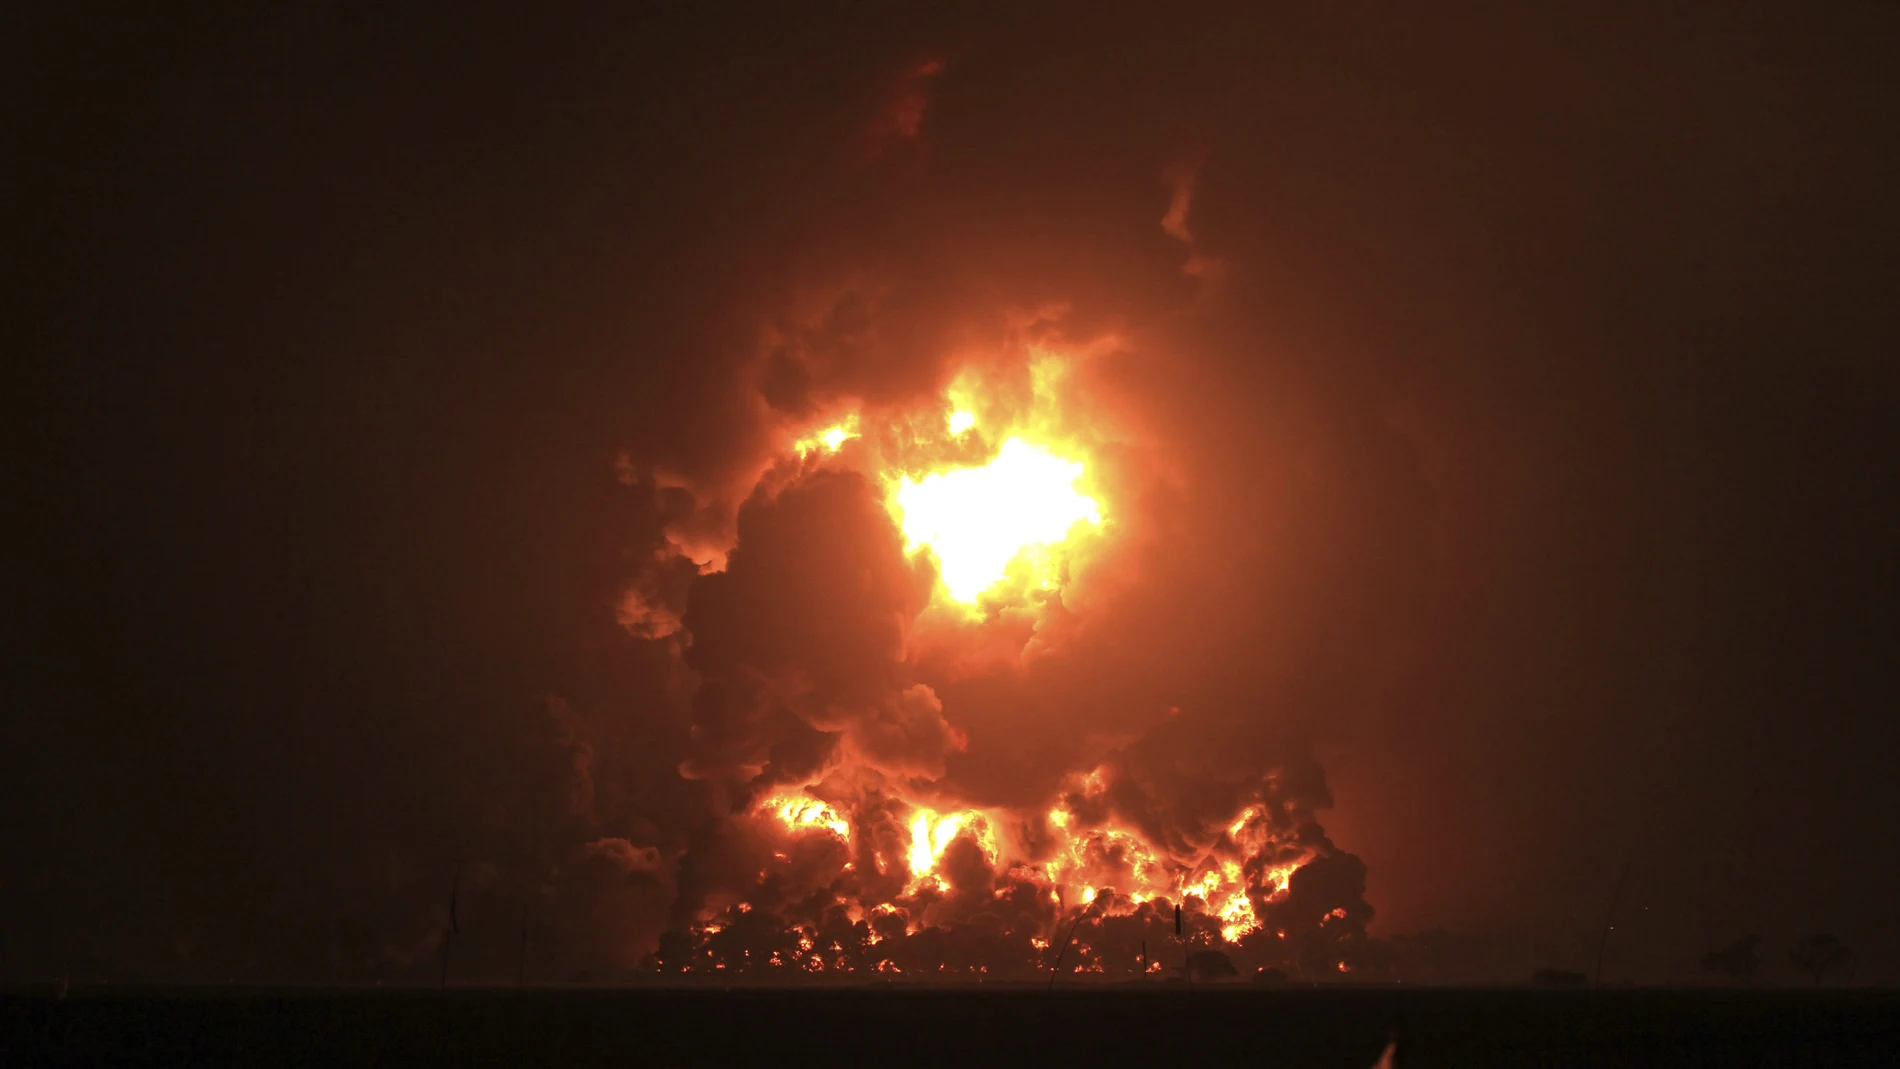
(904, 890)
(978, 507)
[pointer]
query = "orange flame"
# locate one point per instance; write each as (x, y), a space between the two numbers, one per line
(993, 487)
(979, 522)
(830, 439)
(798, 813)
(931, 833)
(1004, 496)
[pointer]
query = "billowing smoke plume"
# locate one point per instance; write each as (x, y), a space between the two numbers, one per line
(483, 457)
(799, 644)
(893, 779)
(856, 821)
(781, 742)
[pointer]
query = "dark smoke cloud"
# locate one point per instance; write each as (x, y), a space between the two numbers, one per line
(609, 906)
(799, 643)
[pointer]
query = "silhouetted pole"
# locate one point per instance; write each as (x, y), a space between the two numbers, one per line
(1057, 971)
(522, 970)
(1187, 958)
(454, 929)
(1610, 918)
(1144, 959)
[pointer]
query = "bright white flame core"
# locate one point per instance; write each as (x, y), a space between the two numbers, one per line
(978, 520)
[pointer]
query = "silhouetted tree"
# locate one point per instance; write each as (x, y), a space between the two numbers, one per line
(1818, 955)
(1211, 965)
(1557, 978)
(675, 951)
(1737, 961)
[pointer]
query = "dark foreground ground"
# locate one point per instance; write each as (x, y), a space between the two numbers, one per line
(1208, 1028)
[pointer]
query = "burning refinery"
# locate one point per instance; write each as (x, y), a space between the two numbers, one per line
(873, 814)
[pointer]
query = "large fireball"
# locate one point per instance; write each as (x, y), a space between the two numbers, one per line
(1012, 481)
(993, 480)
(980, 521)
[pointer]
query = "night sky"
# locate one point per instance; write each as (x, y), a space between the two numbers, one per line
(1515, 404)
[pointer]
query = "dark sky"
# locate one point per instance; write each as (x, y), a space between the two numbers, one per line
(1540, 441)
